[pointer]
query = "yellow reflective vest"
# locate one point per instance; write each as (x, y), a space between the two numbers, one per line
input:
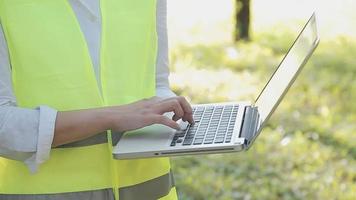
(51, 66)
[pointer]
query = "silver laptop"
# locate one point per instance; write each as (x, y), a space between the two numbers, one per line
(223, 127)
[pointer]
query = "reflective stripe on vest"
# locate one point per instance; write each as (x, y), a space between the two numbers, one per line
(51, 66)
(148, 190)
(139, 191)
(98, 139)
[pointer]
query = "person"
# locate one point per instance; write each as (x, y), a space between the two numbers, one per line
(75, 75)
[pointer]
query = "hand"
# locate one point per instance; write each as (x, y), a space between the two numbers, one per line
(76, 125)
(150, 111)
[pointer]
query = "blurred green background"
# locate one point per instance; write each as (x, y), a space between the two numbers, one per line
(308, 149)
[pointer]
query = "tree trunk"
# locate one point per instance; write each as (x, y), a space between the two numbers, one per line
(242, 31)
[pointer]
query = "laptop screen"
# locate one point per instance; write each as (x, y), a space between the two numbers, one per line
(288, 70)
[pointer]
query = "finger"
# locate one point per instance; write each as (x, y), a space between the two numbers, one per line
(161, 119)
(169, 106)
(188, 111)
(175, 117)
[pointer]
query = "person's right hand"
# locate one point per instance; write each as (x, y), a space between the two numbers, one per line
(149, 111)
(77, 125)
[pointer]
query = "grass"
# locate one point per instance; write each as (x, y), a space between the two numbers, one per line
(308, 150)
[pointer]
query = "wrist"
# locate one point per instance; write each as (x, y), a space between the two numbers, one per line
(105, 118)
(109, 117)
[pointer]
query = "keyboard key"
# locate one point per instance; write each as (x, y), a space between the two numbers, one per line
(228, 138)
(187, 141)
(180, 134)
(201, 108)
(199, 137)
(210, 133)
(200, 132)
(203, 127)
(210, 137)
(208, 141)
(219, 140)
(179, 141)
(189, 137)
(198, 141)
(190, 133)
(197, 118)
(193, 130)
(222, 130)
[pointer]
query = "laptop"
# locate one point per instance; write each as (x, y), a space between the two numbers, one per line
(223, 127)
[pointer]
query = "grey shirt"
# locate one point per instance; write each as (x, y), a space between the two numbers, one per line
(26, 134)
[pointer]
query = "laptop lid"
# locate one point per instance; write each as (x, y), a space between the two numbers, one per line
(287, 71)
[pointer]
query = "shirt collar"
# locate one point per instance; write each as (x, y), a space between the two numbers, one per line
(90, 6)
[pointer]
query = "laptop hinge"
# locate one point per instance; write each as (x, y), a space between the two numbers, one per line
(249, 124)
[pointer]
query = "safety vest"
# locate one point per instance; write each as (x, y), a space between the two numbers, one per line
(51, 66)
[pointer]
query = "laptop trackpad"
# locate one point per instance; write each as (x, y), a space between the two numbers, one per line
(152, 137)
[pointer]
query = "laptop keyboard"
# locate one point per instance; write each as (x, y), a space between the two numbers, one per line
(213, 125)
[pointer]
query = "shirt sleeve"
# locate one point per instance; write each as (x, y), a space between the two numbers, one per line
(162, 63)
(25, 134)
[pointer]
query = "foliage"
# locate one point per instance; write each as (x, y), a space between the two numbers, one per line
(308, 150)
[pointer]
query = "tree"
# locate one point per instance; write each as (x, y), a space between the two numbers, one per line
(242, 17)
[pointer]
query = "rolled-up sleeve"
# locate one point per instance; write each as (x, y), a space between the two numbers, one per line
(25, 134)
